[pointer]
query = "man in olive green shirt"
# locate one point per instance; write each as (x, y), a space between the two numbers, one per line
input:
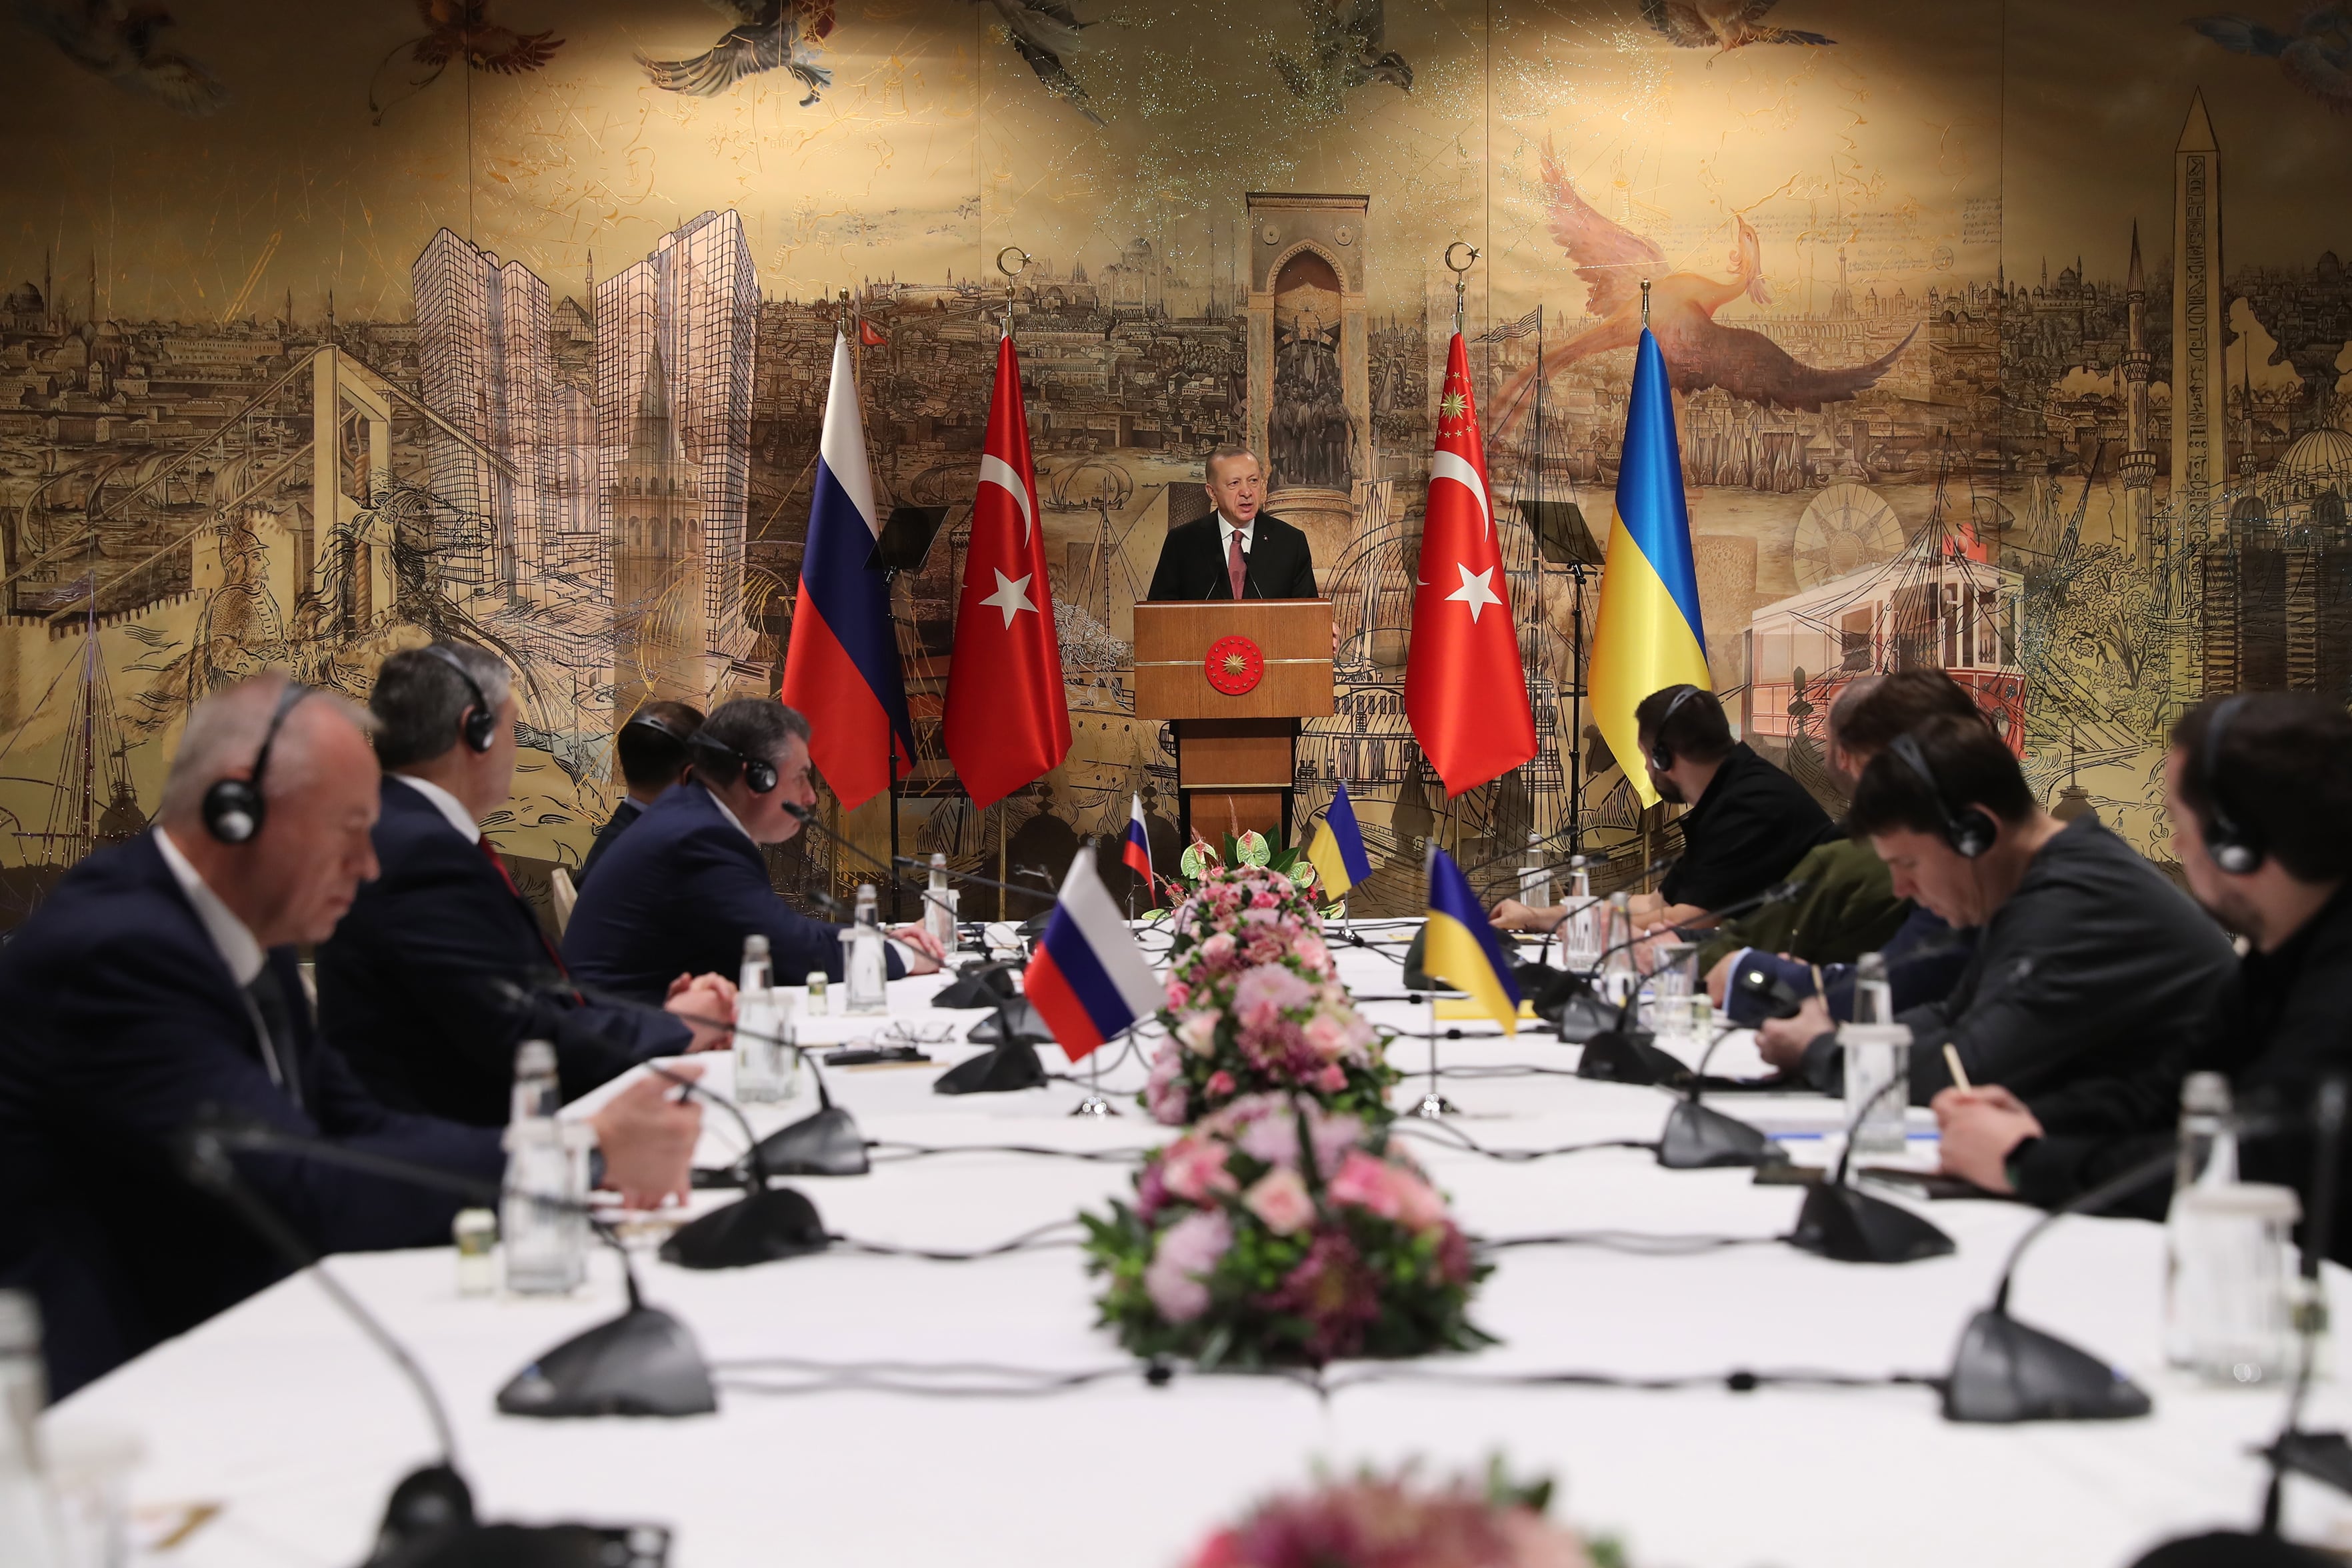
(1848, 906)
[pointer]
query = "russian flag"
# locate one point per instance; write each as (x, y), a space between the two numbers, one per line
(1138, 850)
(1089, 979)
(841, 667)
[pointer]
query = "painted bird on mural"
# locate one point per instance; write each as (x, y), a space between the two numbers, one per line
(767, 35)
(1044, 34)
(2317, 55)
(116, 41)
(1611, 260)
(1348, 47)
(1720, 25)
(462, 30)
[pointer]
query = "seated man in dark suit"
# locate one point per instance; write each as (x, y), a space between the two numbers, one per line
(2259, 792)
(688, 883)
(651, 748)
(1748, 825)
(160, 978)
(441, 969)
(2088, 963)
(1236, 552)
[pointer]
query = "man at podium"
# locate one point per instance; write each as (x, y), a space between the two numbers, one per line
(1236, 552)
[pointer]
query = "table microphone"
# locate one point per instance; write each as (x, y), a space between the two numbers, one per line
(1848, 1226)
(1696, 1137)
(643, 1362)
(827, 1142)
(2325, 1456)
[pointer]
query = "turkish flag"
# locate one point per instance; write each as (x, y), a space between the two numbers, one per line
(1008, 719)
(1466, 693)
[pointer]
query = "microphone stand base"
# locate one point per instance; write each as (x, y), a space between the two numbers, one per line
(2324, 1457)
(1849, 1226)
(1000, 1071)
(2005, 1372)
(1699, 1138)
(827, 1143)
(643, 1362)
(762, 1226)
(1435, 1105)
(1628, 1056)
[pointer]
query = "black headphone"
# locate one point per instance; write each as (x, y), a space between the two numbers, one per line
(1662, 756)
(2236, 849)
(481, 724)
(656, 721)
(758, 774)
(233, 808)
(1971, 830)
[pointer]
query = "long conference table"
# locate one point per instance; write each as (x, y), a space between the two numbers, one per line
(281, 1415)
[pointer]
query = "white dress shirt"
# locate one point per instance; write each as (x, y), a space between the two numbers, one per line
(1227, 529)
(237, 947)
(448, 805)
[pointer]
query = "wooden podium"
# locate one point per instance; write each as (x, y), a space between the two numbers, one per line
(1234, 679)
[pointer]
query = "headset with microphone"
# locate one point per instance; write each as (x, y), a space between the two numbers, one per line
(2236, 848)
(758, 774)
(481, 722)
(1971, 831)
(1662, 755)
(234, 809)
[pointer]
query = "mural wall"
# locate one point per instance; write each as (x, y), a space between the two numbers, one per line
(2008, 339)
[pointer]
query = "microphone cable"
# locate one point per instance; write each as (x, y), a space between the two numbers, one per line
(1456, 1139)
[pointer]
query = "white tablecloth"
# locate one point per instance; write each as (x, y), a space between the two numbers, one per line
(282, 1413)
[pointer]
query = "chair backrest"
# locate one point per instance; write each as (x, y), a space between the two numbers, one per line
(559, 884)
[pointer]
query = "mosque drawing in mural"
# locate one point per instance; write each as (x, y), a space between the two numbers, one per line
(2091, 499)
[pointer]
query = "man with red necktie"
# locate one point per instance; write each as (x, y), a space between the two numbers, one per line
(1236, 552)
(442, 968)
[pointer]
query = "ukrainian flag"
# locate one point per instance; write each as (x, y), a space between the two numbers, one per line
(1460, 947)
(1337, 852)
(1649, 635)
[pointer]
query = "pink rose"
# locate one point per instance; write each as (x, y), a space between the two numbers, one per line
(1193, 1168)
(1327, 1036)
(1217, 952)
(1178, 994)
(1271, 985)
(1331, 1079)
(1418, 1205)
(1188, 1249)
(1281, 1200)
(1265, 901)
(1198, 1031)
(1220, 1085)
(1308, 949)
(1164, 1092)
(1363, 1182)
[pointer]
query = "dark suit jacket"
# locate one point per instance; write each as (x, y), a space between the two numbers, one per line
(626, 813)
(678, 895)
(411, 986)
(1192, 562)
(123, 1021)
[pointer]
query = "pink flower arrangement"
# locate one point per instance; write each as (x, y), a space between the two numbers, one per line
(1239, 1027)
(1276, 1231)
(1374, 1522)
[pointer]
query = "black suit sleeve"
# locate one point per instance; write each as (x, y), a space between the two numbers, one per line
(1168, 576)
(731, 889)
(449, 939)
(129, 1038)
(1301, 583)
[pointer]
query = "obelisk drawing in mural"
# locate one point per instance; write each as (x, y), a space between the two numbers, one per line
(2200, 438)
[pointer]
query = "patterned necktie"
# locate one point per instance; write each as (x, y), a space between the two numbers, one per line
(490, 852)
(1236, 565)
(268, 999)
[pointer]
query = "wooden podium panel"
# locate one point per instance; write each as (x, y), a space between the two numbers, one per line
(1234, 755)
(1171, 647)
